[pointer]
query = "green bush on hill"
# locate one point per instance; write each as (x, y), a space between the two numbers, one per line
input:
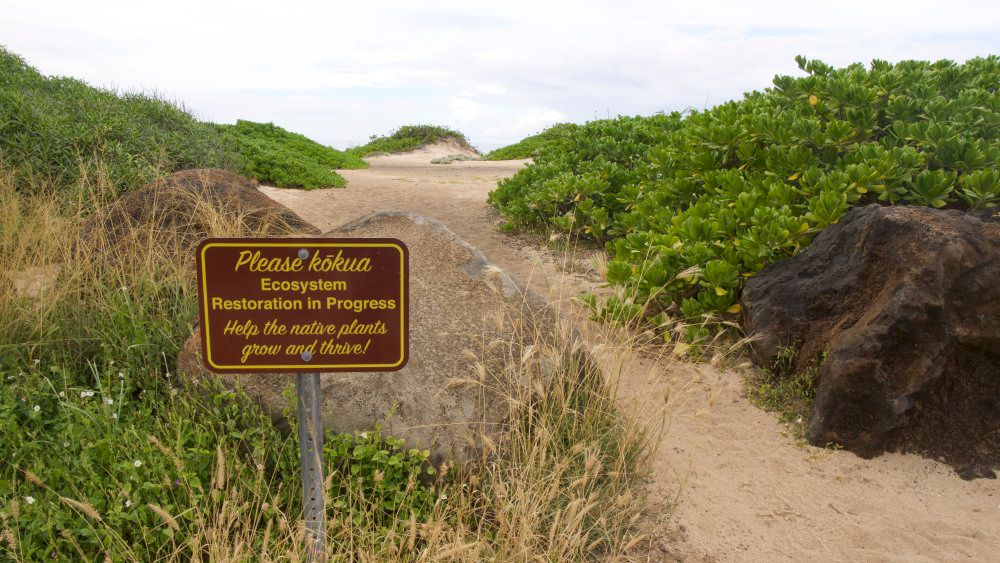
(690, 207)
(274, 155)
(530, 147)
(53, 129)
(584, 171)
(408, 138)
(51, 126)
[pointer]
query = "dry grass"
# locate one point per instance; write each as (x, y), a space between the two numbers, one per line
(564, 481)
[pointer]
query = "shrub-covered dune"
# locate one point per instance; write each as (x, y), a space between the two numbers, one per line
(690, 206)
(55, 129)
(531, 146)
(408, 138)
(274, 155)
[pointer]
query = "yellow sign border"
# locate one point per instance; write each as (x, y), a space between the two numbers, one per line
(318, 367)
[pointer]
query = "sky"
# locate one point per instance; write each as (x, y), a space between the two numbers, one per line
(340, 72)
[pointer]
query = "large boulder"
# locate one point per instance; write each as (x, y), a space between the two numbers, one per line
(464, 312)
(904, 305)
(187, 206)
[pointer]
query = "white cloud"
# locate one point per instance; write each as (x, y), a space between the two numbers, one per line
(339, 72)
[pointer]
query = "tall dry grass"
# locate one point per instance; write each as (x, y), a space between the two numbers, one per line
(563, 481)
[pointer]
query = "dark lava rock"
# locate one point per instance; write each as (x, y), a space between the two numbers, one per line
(185, 205)
(904, 302)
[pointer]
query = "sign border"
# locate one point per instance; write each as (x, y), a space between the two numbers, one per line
(404, 255)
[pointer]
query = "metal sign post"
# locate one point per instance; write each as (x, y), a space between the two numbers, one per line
(311, 457)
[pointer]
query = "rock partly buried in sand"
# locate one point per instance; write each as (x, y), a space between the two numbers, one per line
(187, 206)
(905, 303)
(463, 311)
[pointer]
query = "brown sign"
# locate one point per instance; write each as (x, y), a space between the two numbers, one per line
(303, 304)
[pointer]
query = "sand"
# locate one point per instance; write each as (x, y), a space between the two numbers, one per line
(731, 483)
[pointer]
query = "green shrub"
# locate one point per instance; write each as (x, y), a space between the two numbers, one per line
(782, 390)
(455, 158)
(51, 128)
(530, 147)
(408, 138)
(690, 207)
(273, 155)
(575, 183)
(120, 443)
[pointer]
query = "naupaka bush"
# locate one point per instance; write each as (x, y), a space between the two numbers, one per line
(691, 206)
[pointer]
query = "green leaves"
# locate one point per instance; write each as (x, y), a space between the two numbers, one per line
(981, 189)
(930, 187)
(827, 208)
(728, 191)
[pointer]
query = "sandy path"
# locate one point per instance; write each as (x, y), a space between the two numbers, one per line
(452, 193)
(747, 491)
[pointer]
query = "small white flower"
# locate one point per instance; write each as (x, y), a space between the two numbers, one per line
(29, 500)
(799, 420)
(111, 362)
(62, 393)
(444, 497)
(37, 361)
(85, 394)
(137, 463)
(65, 444)
(121, 375)
(37, 408)
(123, 288)
(10, 378)
(363, 435)
(128, 503)
(114, 415)
(110, 401)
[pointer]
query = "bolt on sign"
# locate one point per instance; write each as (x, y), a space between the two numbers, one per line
(303, 305)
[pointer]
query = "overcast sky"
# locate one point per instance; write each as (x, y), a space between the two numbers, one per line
(342, 71)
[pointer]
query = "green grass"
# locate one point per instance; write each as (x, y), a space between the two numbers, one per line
(408, 138)
(530, 147)
(54, 129)
(788, 393)
(455, 158)
(273, 155)
(690, 206)
(50, 126)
